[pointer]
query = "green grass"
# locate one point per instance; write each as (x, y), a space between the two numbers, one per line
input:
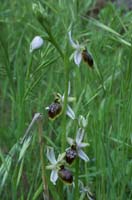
(27, 85)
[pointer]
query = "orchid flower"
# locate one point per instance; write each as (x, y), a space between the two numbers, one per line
(36, 43)
(55, 109)
(80, 53)
(77, 55)
(55, 164)
(78, 144)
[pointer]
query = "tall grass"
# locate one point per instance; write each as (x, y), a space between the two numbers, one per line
(28, 82)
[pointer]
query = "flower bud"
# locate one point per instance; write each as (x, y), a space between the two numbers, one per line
(65, 175)
(71, 154)
(36, 43)
(82, 121)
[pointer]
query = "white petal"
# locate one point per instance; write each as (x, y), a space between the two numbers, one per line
(51, 155)
(60, 157)
(51, 167)
(73, 44)
(77, 57)
(71, 57)
(70, 112)
(36, 43)
(54, 176)
(70, 141)
(81, 145)
(82, 155)
(79, 136)
(71, 99)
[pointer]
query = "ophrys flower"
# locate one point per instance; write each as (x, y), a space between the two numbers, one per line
(78, 144)
(80, 53)
(55, 164)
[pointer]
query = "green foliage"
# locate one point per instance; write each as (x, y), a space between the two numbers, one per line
(28, 83)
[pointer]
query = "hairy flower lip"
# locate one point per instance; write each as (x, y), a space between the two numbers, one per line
(54, 110)
(65, 175)
(87, 57)
(71, 154)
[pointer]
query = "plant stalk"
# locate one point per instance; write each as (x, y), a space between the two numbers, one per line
(41, 143)
(63, 138)
(76, 194)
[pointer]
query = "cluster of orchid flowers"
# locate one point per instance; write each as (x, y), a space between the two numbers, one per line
(57, 166)
(75, 150)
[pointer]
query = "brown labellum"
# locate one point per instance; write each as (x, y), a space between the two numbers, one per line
(65, 175)
(54, 110)
(87, 57)
(71, 154)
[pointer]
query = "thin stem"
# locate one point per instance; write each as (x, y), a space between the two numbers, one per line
(76, 195)
(53, 41)
(63, 139)
(29, 67)
(45, 24)
(100, 76)
(41, 143)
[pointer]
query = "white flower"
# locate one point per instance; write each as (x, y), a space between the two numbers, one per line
(77, 55)
(36, 43)
(55, 164)
(79, 144)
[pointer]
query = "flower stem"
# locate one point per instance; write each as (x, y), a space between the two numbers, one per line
(45, 23)
(100, 76)
(29, 67)
(76, 195)
(41, 143)
(63, 138)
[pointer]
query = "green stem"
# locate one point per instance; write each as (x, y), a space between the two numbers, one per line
(41, 143)
(45, 24)
(53, 41)
(100, 76)
(76, 195)
(29, 67)
(63, 138)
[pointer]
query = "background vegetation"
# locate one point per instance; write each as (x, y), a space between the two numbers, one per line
(28, 82)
